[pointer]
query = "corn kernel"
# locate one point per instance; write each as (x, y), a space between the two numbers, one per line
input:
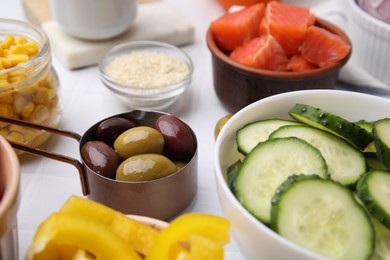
(32, 48)
(17, 75)
(9, 99)
(17, 128)
(6, 110)
(5, 62)
(4, 132)
(19, 103)
(16, 78)
(16, 137)
(17, 72)
(44, 95)
(16, 59)
(40, 139)
(3, 82)
(28, 109)
(21, 40)
(40, 114)
(30, 135)
(3, 75)
(18, 49)
(8, 41)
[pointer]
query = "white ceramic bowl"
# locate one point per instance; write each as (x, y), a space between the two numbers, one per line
(371, 40)
(256, 240)
(149, 97)
(94, 19)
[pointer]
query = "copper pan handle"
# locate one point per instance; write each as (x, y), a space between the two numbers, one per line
(51, 155)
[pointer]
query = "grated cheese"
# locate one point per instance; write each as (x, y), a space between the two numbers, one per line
(147, 69)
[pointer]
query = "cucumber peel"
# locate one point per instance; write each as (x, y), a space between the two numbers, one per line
(381, 133)
(316, 117)
(374, 190)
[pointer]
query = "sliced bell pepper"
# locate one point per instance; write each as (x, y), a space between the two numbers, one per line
(204, 248)
(83, 232)
(180, 230)
(140, 236)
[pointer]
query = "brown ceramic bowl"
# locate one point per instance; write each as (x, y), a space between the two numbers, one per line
(237, 85)
(9, 200)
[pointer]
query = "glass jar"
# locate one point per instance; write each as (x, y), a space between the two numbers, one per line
(28, 88)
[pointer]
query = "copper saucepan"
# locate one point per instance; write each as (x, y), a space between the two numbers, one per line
(161, 198)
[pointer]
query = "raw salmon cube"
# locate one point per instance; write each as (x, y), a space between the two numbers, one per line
(297, 63)
(263, 53)
(288, 24)
(234, 29)
(322, 47)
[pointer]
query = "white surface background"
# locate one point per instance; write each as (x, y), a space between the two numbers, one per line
(46, 184)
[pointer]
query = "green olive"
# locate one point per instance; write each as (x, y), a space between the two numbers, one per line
(145, 167)
(220, 123)
(139, 140)
(180, 164)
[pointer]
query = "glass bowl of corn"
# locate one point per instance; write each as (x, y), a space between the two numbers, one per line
(146, 74)
(29, 84)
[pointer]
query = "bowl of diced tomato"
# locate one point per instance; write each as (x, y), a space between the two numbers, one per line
(267, 49)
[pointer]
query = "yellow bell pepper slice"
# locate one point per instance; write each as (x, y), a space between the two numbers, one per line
(180, 229)
(140, 236)
(79, 231)
(203, 248)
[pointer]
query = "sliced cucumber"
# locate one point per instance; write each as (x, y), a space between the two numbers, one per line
(382, 244)
(374, 190)
(365, 124)
(353, 133)
(232, 173)
(382, 140)
(268, 165)
(369, 127)
(345, 163)
(323, 216)
(251, 134)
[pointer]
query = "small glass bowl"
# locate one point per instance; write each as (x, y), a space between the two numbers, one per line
(146, 97)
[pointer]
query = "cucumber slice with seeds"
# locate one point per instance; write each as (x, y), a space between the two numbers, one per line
(316, 117)
(250, 135)
(323, 216)
(268, 165)
(345, 163)
(374, 190)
